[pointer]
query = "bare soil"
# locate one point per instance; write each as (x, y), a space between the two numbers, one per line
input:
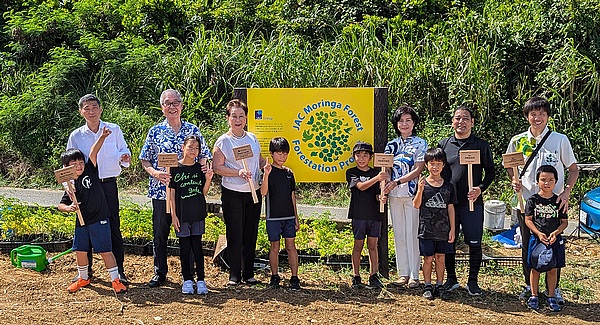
(28, 297)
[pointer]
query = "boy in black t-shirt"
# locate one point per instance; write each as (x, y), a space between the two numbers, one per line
(94, 209)
(435, 200)
(364, 211)
(546, 221)
(279, 187)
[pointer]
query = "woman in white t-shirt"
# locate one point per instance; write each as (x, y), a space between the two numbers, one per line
(240, 213)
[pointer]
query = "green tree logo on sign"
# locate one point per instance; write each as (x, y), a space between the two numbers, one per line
(328, 136)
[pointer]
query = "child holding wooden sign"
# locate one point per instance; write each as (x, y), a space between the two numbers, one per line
(363, 182)
(94, 210)
(188, 187)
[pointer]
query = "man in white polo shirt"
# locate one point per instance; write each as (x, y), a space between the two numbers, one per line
(113, 155)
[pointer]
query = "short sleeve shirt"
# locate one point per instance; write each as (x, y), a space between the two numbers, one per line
(188, 183)
(161, 138)
(556, 151)
(363, 204)
(279, 204)
(545, 212)
(434, 221)
(407, 152)
(90, 196)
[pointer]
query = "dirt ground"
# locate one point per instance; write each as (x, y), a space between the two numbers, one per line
(29, 297)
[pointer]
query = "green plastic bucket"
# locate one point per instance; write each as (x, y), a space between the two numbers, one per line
(30, 257)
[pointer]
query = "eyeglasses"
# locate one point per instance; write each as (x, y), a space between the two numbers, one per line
(172, 104)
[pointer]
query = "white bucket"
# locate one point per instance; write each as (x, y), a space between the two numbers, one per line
(493, 214)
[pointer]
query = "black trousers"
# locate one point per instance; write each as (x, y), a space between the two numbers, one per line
(241, 216)
(111, 193)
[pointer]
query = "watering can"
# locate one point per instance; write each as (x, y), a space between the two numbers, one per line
(32, 257)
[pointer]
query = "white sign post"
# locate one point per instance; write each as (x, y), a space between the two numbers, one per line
(66, 175)
(470, 158)
(383, 160)
(242, 153)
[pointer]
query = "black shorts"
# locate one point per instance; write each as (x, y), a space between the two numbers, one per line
(366, 228)
(277, 229)
(428, 247)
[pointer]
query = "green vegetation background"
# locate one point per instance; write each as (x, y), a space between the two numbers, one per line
(434, 55)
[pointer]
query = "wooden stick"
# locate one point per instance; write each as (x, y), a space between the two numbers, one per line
(381, 186)
(470, 180)
(251, 183)
(79, 215)
(519, 194)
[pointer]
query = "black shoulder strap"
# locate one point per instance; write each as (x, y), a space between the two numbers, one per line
(537, 149)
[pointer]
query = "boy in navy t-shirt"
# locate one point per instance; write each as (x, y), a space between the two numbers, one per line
(363, 182)
(94, 209)
(279, 187)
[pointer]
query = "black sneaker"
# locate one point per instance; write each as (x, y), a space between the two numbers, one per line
(295, 283)
(356, 282)
(123, 279)
(375, 282)
(440, 291)
(275, 279)
(428, 292)
(157, 281)
(473, 289)
(451, 285)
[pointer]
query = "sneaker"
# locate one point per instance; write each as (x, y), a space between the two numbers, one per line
(157, 281)
(90, 275)
(413, 283)
(473, 289)
(533, 303)
(401, 281)
(428, 292)
(375, 282)
(558, 295)
(187, 288)
(252, 281)
(525, 294)
(118, 286)
(123, 279)
(201, 288)
(440, 291)
(356, 282)
(75, 286)
(232, 284)
(553, 304)
(451, 285)
(295, 283)
(275, 279)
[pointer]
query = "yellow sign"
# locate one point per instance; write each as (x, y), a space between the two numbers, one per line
(321, 125)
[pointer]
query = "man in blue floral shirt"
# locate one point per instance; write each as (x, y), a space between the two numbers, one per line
(165, 137)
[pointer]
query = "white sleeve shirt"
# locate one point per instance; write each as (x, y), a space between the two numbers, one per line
(109, 156)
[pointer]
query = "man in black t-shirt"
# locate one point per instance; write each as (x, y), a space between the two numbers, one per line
(471, 222)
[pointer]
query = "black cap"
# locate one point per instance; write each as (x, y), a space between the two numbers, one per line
(362, 146)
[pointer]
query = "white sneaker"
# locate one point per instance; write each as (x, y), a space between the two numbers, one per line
(188, 287)
(558, 295)
(201, 288)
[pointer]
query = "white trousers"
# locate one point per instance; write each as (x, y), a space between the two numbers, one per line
(405, 222)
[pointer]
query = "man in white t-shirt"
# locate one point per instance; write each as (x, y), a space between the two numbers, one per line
(555, 151)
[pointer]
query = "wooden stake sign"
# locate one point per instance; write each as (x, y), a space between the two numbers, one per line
(65, 175)
(383, 160)
(514, 160)
(168, 160)
(470, 158)
(242, 153)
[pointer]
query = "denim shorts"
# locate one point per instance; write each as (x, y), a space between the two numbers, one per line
(277, 229)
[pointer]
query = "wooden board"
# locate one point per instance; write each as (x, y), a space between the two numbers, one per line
(469, 157)
(514, 159)
(383, 160)
(168, 160)
(243, 152)
(65, 174)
